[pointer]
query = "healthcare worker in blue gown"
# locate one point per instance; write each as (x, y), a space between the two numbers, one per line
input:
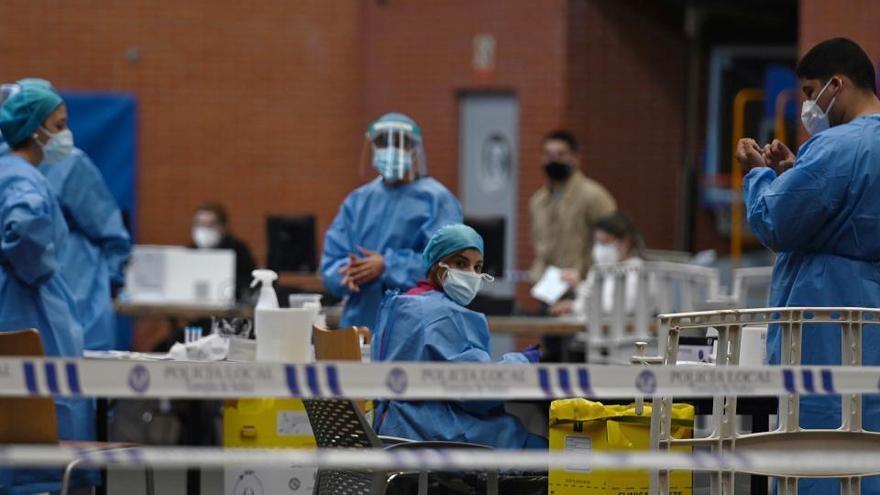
(99, 245)
(33, 234)
(376, 239)
(820, 211)
(431, 323)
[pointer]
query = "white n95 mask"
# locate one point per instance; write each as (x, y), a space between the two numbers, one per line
(605, 254)
(206, 237)
(815, 120)
(58, 147)
(462, 286)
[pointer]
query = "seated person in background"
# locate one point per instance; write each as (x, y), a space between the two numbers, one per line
(615, 240)
(431, 323)
(210, 230)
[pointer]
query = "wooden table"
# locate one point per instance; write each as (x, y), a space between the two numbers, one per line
(525, 326)
(181, 311)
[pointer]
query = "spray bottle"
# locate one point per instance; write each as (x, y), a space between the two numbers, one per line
(268, 299)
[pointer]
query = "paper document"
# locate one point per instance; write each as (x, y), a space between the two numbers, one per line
(551, 286)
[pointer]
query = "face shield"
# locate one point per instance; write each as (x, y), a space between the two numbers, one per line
(395, 150)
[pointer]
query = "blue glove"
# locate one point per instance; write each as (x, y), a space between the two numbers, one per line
(533, 353)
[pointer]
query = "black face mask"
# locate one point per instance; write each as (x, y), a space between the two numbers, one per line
(558, 171)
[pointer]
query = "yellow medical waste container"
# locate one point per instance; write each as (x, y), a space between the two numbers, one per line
(578, 425)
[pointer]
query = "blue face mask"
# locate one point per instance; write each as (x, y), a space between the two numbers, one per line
(462, 286)
(392, 163)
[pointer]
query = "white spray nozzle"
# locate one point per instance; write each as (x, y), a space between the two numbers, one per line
(264, 277)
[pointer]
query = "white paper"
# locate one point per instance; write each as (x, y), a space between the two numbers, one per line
(551, 286)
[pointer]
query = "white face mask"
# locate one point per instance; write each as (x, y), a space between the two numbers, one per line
(206, 237)
(605, 254)
(815, 120)
(462, 286)
(58, 147)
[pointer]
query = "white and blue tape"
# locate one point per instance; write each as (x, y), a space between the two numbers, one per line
(171, 379)
(804, 462)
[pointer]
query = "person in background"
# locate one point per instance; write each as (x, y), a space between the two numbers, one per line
(615, 240)
(33, 234)
(562, 213)
(431, 323)
(93, 265)
(210, 230)
(375, 241)
(818, 210)
(564, 210)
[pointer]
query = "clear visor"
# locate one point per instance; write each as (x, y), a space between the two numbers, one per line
(394, 151)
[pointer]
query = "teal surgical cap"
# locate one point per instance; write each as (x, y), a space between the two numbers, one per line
(448, 240)
(397, 120)
(25, 111)
(36, 81)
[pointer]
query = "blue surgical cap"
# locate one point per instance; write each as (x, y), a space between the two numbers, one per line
(393, 118)
(25, 111)
(448, 240)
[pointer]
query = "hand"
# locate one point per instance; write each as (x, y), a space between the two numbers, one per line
(533, 353)
(563, 307)
(749, 154)
(347, 281)
(364, 270)
(778, 156)
(570, 276)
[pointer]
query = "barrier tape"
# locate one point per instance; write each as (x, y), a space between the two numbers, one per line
(805, 463)
(27, 377)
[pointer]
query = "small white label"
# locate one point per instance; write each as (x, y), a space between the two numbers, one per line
(293, 424)
(576, 444)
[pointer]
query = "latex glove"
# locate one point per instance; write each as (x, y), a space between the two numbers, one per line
(533, 353)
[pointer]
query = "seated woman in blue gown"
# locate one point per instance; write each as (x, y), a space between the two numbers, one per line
(431, 323)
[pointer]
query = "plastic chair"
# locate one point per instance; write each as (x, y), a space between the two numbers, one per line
(789, 435)
(339, 424)
(32, 420)
(661, 287)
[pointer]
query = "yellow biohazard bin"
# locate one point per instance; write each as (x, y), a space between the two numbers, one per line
(266, 423)
(578, 425)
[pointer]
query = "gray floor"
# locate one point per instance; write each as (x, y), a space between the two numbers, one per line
(168, 482)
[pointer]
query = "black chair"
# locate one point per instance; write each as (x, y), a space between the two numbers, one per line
(339, 424)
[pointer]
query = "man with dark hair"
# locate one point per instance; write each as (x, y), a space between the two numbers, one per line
(820, 211)
(564, 210)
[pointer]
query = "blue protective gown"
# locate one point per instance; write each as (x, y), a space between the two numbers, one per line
(431, 327)
(822, 217)
(397, 222)
(32, 292)
(98, 247)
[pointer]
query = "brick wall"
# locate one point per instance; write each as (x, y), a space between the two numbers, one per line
(254, 104)
(626, 88)
(856, 19)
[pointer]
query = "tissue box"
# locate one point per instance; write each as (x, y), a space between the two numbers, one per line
(579, 424)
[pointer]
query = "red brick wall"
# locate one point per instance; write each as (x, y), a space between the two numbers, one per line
(856, 19)
(255, 104)
(627, 75)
